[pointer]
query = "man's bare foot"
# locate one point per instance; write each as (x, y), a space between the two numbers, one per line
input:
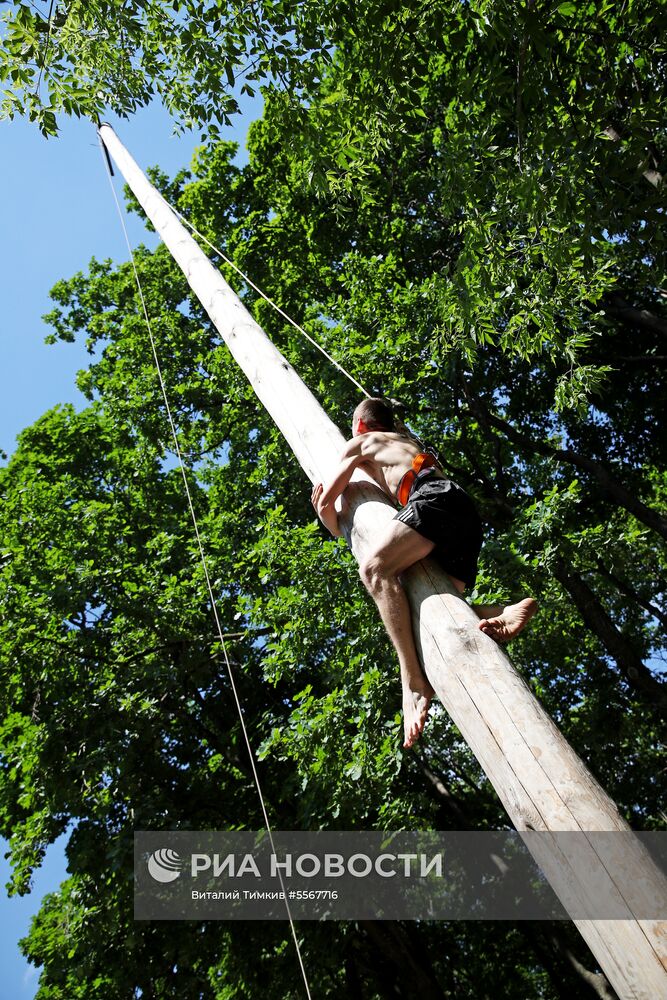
(416, 699)
(513, 620)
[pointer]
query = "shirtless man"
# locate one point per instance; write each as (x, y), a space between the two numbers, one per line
(437, 518)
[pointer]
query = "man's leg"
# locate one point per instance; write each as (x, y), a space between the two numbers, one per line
(399, 549)
(504, 623)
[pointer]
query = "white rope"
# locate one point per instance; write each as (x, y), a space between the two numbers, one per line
(204, 564)
(259, 291)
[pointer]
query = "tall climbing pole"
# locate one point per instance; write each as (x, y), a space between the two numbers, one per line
(541, 782)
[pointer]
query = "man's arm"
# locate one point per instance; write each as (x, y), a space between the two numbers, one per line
(324, 498)
(352, 457)
(326, 513)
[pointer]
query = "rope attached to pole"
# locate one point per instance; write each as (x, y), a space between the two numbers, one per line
(204, 563)
(259, 291)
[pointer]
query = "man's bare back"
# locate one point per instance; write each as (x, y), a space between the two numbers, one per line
(387, 457)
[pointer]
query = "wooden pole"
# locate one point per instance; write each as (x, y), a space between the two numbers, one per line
(541, 782)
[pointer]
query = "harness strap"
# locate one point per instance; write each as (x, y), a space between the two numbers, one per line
(424, 460)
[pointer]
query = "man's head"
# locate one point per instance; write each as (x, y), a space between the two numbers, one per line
(372, 415)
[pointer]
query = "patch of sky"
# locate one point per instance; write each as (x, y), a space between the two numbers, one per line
(19, 978)
(60, 215)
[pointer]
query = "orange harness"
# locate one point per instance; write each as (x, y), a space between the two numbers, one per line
(424, 460)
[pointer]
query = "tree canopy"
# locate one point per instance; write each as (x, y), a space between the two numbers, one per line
(462, 202)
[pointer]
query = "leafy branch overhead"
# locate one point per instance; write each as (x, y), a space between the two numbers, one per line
(538, 133)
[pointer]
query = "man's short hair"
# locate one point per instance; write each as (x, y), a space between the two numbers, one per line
(377, 414)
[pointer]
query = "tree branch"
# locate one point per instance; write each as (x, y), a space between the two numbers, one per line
(615, 491)
(617, 645)
(615, 306)
(631, 593)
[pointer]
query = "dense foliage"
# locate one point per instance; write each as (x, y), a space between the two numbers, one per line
(462, 202)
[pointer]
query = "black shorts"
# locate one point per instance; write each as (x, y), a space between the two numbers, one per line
(444, 513)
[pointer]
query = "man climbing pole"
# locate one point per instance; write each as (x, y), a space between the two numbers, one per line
(437, 518)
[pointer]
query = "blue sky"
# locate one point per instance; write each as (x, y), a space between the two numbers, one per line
(57, 213)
